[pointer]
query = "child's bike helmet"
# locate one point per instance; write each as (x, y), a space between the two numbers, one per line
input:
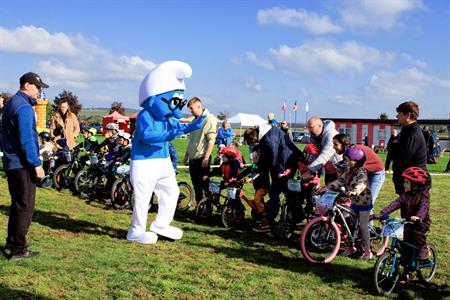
(418, 175)
(45, 136)
(312, 149)
(355, 154)
(229, 152)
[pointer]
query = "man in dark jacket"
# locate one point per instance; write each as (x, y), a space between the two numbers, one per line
(411, 147)
(21, 162)
(276, 153)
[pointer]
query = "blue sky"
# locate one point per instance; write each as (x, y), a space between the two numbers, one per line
(356, 58)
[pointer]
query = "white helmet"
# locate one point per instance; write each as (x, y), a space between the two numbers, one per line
(125, 135)
(112, 126)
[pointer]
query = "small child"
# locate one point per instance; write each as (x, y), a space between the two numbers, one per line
(123, 154)
(90, 139)
(261, 183)
(46, 150)
(414, 205)
(229, 169)
(310, 154)
(356, 182)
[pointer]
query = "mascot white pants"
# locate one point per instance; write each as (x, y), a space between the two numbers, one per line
(158, 176)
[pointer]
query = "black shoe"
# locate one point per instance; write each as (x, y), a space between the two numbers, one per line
(27, 254)
(6, 251)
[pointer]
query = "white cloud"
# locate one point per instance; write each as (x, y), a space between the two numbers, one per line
(383, 14)
(301, 18)
(73, 60)
(235, 60)
(320, 56)
(34, 40)
(262, 62)
(251, 84)
(409, 59)
(404, 84)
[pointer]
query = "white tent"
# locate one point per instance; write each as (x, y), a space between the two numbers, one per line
(245, 120)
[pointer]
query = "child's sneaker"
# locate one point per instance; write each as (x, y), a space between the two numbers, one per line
(349, 251)
(367, 257)
(262, 227)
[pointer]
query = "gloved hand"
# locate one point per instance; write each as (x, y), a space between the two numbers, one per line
(197, 124)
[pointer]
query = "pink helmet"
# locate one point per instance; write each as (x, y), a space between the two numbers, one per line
(355, 154)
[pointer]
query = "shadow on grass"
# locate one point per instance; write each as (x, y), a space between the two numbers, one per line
(252, 249)
(63, 221)
(8, 293)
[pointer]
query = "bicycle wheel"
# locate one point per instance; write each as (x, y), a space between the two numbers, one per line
(186, 196)
(84, 183)
(121, 193)
(46, 182)
(378, 242)
(320, 240)
(386, 273)
(284, 227)
(232, 215)
(61, 177)
(204, 209)
(427, 270)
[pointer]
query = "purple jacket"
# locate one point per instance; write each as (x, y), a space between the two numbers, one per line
(408, 209)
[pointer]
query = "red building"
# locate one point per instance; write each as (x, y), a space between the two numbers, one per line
(377, 131)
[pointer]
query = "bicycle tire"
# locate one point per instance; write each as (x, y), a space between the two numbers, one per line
(432, 257)
(386, 273)
(121, 193)
(61, 178)
(232, 215)
(378, 242)
(84, 184)
(203, 210)
(186, 196)
(320, 241)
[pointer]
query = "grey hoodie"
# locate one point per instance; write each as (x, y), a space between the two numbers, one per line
(325, 142)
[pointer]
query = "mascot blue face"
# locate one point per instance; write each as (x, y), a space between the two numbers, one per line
(166, 105)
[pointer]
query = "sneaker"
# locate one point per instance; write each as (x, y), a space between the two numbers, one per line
(27, 254)
(367, 257)
(349, 251)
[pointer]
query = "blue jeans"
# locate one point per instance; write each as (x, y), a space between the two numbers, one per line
(376, 181)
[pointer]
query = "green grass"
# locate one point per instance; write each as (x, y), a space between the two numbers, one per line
(85, 256)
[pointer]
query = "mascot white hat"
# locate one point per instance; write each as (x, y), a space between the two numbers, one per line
(167, 76)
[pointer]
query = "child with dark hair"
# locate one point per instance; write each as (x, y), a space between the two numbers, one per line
(310, 154)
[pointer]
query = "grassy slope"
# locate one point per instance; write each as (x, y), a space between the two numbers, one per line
(85, 255)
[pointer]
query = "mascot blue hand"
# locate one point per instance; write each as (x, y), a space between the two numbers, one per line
(197, 124)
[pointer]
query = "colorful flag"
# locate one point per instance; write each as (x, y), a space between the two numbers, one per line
(295, 106)
(307, 107)
(283, 107)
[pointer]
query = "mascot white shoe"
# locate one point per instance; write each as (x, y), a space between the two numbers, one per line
(161, 97)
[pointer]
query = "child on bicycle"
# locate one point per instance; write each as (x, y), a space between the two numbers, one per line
(356, 183)
(229, 168)
(308, 186)
(46, 150)
(260, 182)
(414, 205)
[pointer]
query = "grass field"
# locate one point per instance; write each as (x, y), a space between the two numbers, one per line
(85, 256)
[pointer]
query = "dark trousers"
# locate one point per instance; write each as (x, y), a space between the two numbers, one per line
(277, 186)
(22, 188)
(197, 172)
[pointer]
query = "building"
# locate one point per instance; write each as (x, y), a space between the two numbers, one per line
(379, 131)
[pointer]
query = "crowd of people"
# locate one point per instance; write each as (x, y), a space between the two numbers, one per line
(274, 157)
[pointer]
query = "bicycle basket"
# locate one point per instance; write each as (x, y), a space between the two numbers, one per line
(294, 185)
(94, 159)
(231, 192)
(214, 186)
(325, 202)
(123, 170)
(394, 228)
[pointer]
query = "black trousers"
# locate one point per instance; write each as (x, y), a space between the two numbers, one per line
(22, 188)
(197, 172)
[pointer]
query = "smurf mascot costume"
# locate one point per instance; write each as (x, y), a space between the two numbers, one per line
(161, 97)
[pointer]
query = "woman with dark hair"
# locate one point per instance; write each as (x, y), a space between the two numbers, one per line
(68, 121)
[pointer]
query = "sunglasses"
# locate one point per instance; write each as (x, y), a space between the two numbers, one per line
(175, 103)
